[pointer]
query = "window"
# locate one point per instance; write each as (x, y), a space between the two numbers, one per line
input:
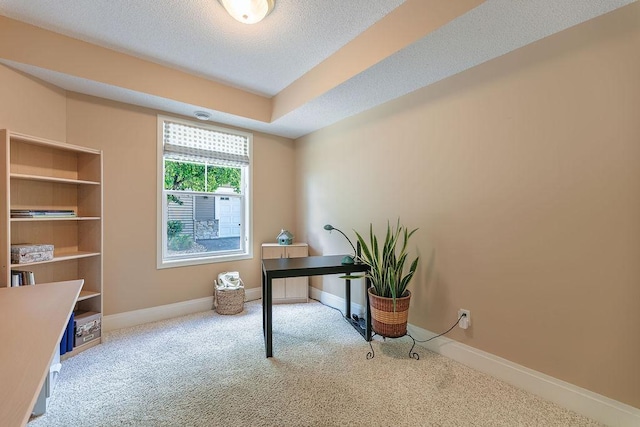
(204, 199)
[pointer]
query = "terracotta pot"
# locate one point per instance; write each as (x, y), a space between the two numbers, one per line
(384, 320)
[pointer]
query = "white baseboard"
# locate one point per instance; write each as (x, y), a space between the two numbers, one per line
(169, 311)
(578, 399)
(335, 301)
(252, 294)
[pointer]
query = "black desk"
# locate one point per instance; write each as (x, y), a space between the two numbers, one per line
(308, 266)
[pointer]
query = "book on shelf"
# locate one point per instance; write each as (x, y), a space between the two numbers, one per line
(16, 279)
(42, 213)
(66, 341)
(22, 278)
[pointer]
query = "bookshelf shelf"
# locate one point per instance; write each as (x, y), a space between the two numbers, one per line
(51, 179)
(66, 218)
(59, 258)
(54, 191)
(87, 294)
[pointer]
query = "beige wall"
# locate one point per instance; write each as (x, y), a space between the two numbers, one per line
(31, 106)
(523, 176)
(127, 136)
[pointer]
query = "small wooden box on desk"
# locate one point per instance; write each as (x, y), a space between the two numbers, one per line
(293, 289)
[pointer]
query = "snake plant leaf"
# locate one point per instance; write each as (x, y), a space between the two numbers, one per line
(387, 262)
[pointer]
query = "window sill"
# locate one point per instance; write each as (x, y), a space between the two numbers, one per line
(199, 261)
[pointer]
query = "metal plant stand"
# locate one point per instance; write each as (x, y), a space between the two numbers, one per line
(413, 355)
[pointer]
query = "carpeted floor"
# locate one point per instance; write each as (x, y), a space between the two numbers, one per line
(210, 370)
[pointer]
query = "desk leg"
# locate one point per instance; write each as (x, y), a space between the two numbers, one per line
(269, 317)
(264, 309)
(366, 330)
(267, 313)
(347, 295)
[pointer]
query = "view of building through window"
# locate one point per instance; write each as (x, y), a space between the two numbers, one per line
(202, 223)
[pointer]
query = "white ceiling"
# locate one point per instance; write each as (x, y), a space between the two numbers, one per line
(197, 36)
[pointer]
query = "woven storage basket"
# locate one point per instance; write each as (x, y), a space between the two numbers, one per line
(229, 301)
(384, 321)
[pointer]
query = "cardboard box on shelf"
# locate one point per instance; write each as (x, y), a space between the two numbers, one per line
(88, 327)
(25, 253)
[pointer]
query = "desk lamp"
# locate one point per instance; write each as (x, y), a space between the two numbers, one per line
(348, 259)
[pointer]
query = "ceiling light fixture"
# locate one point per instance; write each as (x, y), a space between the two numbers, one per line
(248, 11)
(202, 115)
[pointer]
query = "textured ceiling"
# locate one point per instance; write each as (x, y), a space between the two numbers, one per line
(198, 37)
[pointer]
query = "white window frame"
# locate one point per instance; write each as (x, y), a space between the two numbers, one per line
(247, 184)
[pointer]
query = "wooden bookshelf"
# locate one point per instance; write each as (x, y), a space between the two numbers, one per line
(38, 174)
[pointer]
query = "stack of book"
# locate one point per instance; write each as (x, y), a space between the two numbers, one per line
(36, 213)
(20, 278)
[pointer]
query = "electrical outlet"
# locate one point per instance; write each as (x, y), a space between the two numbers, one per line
(465, 321)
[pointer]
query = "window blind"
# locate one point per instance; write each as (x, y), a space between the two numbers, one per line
(185, 143)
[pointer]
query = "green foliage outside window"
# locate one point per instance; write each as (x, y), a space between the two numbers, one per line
(218, 176)
(174, 227)
(191, 177)
(181, 242)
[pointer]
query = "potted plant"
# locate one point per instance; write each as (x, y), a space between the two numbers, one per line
(388, 295)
